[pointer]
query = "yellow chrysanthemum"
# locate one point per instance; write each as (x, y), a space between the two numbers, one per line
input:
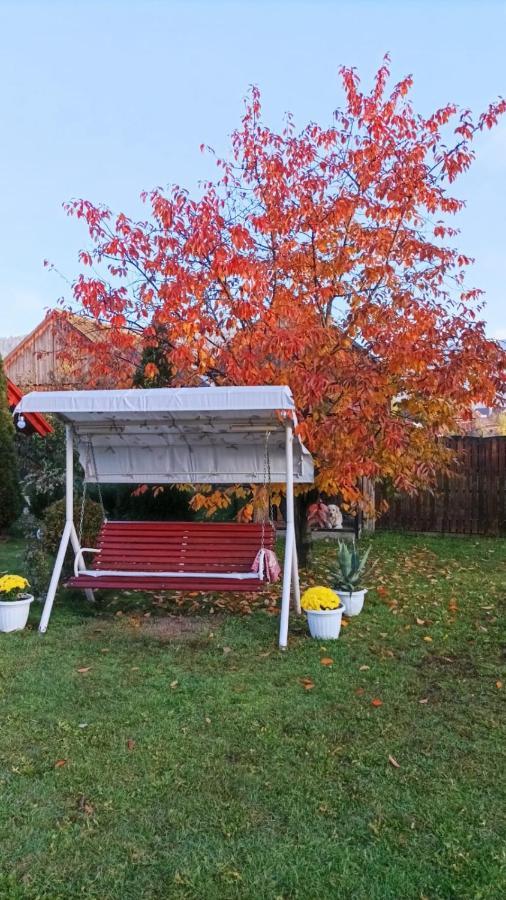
(319, 598)
(10, 583)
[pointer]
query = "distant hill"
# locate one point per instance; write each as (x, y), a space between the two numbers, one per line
(8, 343)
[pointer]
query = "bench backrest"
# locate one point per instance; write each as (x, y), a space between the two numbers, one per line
(180, 546)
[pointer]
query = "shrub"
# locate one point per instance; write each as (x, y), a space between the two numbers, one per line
(10, 494)
(54, 522)
(38, 566)
(121, 502)
(42, 467)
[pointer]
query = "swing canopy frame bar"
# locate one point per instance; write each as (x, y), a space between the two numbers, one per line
(214, 435)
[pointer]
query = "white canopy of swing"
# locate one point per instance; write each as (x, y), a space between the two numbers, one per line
(179, 435)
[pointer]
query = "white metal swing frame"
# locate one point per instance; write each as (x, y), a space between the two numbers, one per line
(69, 536)
(290, 584)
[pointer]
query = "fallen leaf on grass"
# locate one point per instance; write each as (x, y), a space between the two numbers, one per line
(393, 762)
(425, 700)
(452, 606)
(59, 763)
(326, 661)
(360, 691)
(307, 683)
(84, 669)
(420, 621)
(345, 622)
(84, 806)
(428, 639)
(498, 685)
(364, 668)
(376, 702)
(227, 650)
(174, 683)
(130, 744)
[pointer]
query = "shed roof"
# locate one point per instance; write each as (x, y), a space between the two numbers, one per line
(35, 421)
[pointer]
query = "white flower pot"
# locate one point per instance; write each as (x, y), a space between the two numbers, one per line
(353, 602)
(14, 613)
(325, 624)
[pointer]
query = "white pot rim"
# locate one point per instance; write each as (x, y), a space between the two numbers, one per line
(326, 612)
(28, 598)
(351, 593)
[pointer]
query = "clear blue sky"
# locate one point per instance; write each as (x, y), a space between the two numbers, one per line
(104, 99)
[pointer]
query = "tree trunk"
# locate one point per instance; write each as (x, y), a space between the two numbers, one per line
(303, 536)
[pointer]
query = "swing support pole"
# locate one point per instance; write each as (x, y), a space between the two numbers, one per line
(290, 569)
(67, 531)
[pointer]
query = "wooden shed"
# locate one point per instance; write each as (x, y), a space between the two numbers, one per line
(58, 353)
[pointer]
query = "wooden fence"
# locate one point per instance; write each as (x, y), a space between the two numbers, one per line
(473, 501)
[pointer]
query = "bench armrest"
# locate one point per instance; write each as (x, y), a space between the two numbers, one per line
(79, 558)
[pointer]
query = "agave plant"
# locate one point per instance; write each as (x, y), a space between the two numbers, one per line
(350, 567)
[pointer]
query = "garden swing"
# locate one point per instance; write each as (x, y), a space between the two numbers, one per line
(218, 435)
(194, 556)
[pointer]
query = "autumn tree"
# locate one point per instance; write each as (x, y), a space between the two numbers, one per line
(324, 259)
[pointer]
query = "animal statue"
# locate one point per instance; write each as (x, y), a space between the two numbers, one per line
(335, 517)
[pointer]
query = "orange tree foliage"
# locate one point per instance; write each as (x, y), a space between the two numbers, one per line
(324, 260)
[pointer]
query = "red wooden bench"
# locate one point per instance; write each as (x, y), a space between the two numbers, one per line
(145, 556)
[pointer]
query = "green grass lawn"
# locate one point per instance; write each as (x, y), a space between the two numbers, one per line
(136, 764)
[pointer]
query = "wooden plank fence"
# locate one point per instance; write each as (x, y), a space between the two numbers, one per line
(471, 501)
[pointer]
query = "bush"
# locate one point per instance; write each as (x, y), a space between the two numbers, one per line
(37, 564)
(42, 467)
(38, 567)
(10, 494)
(169, 504)
(54, 523)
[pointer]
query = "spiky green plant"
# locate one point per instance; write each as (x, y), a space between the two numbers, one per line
(350, 567)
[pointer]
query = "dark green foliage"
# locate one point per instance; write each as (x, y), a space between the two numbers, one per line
(168, 504)
(42, 467)
(37, 566)
(10, 493)
(155, 355)
(54, 522)
(42, 540)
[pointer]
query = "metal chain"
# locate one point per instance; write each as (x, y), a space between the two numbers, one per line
(97, 482)
(267, 487)
(90, 455)
(81, 517)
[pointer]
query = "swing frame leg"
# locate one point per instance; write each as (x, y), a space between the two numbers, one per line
(290, 562)
(69, 532)
(55, 577)
(296, 582)
(88, 593)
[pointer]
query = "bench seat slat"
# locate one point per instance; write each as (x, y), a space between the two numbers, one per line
(192, 547)
(107, 582)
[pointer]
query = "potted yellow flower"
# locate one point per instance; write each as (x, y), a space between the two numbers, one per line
(14, 602)
(324, 612)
